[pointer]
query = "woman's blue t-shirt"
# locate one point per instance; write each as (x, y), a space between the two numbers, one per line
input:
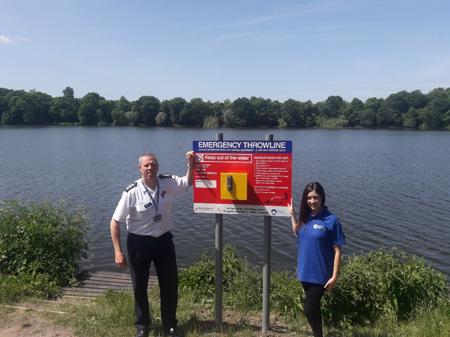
(315, 247)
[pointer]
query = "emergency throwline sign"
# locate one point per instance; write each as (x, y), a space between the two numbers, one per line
(243, 177)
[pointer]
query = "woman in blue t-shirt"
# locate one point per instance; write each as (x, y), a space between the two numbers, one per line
(320, 237)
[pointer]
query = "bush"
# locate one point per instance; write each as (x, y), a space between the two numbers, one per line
(287, 294)
(199, 279)
(41, 241)
(14, 288)
(383, 284)
(242, 284)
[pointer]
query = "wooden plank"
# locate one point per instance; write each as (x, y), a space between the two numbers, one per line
(97, 283)
(108, 282)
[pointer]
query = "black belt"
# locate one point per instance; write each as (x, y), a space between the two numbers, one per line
(165, 236)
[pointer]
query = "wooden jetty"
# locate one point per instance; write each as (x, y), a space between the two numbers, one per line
(98, 282)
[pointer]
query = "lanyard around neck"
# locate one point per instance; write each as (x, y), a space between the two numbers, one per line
(155, 203)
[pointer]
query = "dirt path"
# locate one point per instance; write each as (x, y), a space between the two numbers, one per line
(50, 319)
(28, 323)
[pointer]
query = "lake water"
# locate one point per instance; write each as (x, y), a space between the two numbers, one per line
(389, 188)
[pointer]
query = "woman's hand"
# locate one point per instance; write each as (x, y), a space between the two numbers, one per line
(330, 284)
(291, 207)
(294, 222)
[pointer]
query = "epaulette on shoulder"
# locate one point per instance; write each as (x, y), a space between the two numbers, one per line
(165, 175)
(130, 187)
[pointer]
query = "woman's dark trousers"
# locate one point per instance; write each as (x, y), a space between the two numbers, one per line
(313, 295)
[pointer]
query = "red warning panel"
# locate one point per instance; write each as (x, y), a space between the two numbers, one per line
(243, 177)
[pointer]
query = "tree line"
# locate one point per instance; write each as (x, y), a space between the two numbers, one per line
(412, 110)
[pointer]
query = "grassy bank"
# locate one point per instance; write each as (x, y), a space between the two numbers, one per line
(382, 293)
(112, 315)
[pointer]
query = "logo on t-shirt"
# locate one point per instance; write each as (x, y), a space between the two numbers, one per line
(319, 227)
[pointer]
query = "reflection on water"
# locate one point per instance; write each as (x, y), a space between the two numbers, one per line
(389, 188)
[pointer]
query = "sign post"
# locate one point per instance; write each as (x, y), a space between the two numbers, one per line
(219, 263)
(245, 177)
(267, 266)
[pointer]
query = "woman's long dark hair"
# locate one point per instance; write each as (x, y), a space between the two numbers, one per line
(305, 211)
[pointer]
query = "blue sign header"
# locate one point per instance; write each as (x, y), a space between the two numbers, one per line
(260, 146)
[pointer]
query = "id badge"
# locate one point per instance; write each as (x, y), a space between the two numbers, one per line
(157, 217)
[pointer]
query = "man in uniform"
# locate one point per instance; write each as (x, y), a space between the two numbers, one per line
(146, 208)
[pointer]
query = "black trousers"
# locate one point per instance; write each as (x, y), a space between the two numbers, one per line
(311, 307)
(142, 250)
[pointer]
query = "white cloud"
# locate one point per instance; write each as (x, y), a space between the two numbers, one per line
(4, 39)
(9, 40)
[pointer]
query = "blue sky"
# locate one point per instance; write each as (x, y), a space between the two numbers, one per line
(217, 50)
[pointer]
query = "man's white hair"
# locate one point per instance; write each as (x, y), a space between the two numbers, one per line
(147, 155)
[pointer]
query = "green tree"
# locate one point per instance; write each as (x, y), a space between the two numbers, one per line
(14, 114)
(267, 112)
(391, 110)
(332, 107)
(31, 108)
(410, 119)
(217, 109)
(352, 113)
(118, 113)
(310, 113)
(175, 105)
(432, 115)
(147, 107)
(5, 95)
(292, 114)
(163, 116)
(194, 113)
(394, 111)
(65, 109)
(89, 109)
(104, 114)
(241, 114)
(431, 119)
(369, 114)
(446, 120)
(187, 115)
(119, 117)
(68, 92)
(417, 99)
(40, 112)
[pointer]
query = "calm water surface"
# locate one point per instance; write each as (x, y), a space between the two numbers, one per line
(389, 188)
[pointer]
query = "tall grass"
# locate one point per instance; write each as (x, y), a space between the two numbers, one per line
(110, 315)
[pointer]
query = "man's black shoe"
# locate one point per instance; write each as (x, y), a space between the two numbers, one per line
(142, 332)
